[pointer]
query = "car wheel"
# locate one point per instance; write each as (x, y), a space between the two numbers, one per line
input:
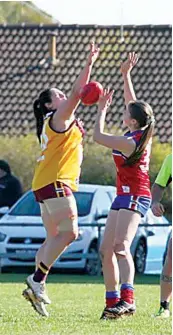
(140, 256)
(92, 266)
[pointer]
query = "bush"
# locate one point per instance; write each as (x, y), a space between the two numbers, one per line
(97, 168)
(21, 153)
(159, 152)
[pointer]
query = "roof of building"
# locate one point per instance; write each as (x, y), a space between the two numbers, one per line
(24, 48)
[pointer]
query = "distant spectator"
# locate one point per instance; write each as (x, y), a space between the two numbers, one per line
(10, 186)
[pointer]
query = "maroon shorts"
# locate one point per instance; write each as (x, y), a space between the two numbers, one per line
(53, 190)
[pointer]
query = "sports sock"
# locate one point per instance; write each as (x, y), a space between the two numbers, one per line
(127, 293)
(112, 297)
(41, 273)
(164, 304)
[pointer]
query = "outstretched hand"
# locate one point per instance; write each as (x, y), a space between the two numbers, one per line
(105, 99)
(94, 52)
(128, 65)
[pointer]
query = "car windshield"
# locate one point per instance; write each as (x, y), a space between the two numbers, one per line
(27, 206)
(83, 200)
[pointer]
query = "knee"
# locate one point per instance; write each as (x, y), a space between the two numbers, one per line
(168, 259)
(168, 262)
(122, 249)
(106, 252)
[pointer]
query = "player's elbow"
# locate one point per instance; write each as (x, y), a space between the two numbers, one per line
(96, 137)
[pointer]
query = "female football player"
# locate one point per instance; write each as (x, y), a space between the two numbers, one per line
(131, 154)
(56, 176)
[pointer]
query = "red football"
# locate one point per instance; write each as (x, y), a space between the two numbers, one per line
(90, 93)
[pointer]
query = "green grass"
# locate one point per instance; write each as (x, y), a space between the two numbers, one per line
(77, 302)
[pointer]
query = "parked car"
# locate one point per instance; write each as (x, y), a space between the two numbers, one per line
(3, 210)
(22, 233)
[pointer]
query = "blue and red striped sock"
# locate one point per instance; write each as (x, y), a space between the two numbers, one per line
(112, 297)
(127, 293)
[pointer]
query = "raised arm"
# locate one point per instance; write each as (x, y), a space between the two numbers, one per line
(121, 143)
(126, 67)
(69, 106)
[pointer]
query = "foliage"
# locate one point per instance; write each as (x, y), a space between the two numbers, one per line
(15, 12)
(159, 152)
(21, 153)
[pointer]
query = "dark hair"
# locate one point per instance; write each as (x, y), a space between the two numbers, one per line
(142, 112)
(40, 110)
(5, 166)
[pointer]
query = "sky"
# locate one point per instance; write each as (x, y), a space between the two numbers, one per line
(109, 12)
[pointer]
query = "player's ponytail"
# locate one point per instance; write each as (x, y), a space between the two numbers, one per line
(39, 118)
(143, 114)
(40, 111)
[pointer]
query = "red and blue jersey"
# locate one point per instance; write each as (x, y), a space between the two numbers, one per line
(134, 179)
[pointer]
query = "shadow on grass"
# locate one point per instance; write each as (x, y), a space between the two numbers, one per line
(19, 276)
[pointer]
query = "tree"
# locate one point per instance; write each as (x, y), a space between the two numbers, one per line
(16, 12)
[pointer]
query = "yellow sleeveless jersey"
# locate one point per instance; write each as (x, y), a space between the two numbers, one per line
(61, 156)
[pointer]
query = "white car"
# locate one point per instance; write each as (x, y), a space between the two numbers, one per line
(22, 233)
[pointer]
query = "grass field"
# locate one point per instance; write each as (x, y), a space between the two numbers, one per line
(77, 302)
